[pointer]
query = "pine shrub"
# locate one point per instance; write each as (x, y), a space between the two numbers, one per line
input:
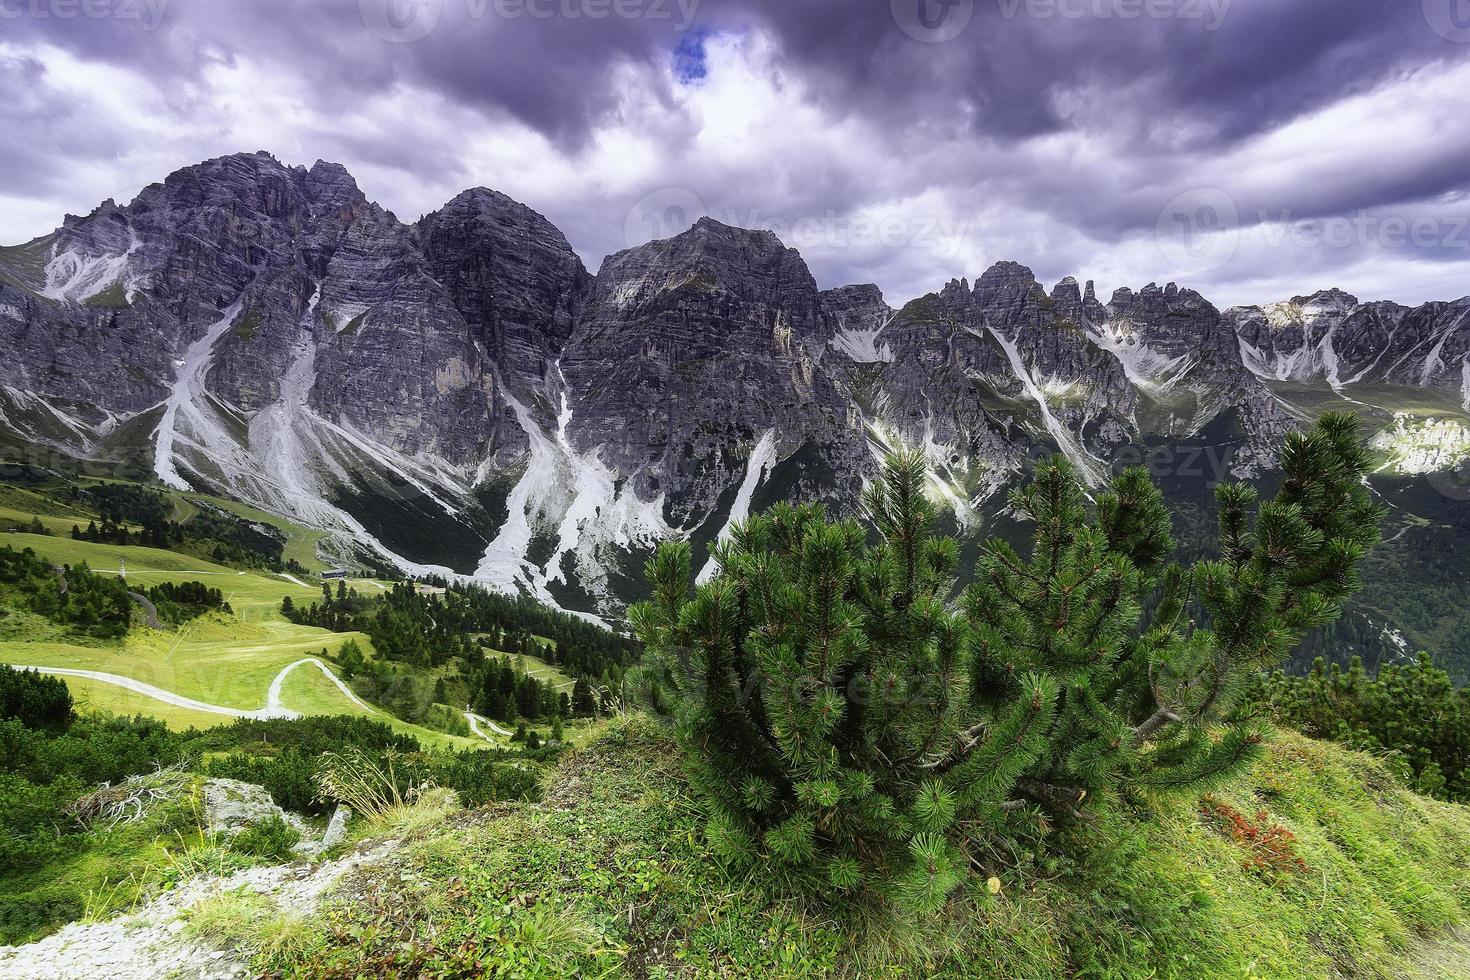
(851, 723)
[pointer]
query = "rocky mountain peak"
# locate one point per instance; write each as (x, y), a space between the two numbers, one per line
(956, 295)
(713, 228)
(712, 258)
(107, 209)
(496, 221)
(1067, 292)
(1327, 300)
(856, 315)
(1009, 292)
(1004, 275)
(866, 294)
(329, 185)
(512, 276)
(494, 207)
(1072, 305)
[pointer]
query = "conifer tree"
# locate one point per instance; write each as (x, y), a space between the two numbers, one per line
(844, 716)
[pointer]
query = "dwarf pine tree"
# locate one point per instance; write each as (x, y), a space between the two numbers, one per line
(845, 717)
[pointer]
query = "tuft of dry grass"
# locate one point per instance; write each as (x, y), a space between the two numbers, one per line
(356, 779)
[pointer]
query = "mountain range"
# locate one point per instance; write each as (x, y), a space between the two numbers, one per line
(461, 395)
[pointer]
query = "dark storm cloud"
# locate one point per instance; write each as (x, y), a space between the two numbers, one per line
(1083, 118)
(1248, 63)
(1245, 64)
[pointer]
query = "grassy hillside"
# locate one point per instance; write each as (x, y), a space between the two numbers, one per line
(609, 877)
(224, 660)
(20, 504)
(543, 671)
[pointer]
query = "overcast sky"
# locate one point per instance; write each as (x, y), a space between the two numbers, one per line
(1253, 149)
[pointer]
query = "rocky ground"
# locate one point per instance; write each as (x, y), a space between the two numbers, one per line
(153, 942)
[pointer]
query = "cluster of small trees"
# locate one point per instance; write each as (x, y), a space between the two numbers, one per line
(179, 602)
(338, 611)
(431, 630)
(129, 514)
(34, 527)
(846, 721)
(72, 595)
(34, 699)
(504, 694)
(109, 533)
(121, 504)
(1411, 710)
(118, 503)
(406, 629)
(97, 604)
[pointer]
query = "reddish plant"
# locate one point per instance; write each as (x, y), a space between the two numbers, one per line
(1269, 847)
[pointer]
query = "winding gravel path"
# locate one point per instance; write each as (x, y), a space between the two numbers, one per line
(148, 690)
(273, 706)
(150, 611)
(475, 722)
(273, 697)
